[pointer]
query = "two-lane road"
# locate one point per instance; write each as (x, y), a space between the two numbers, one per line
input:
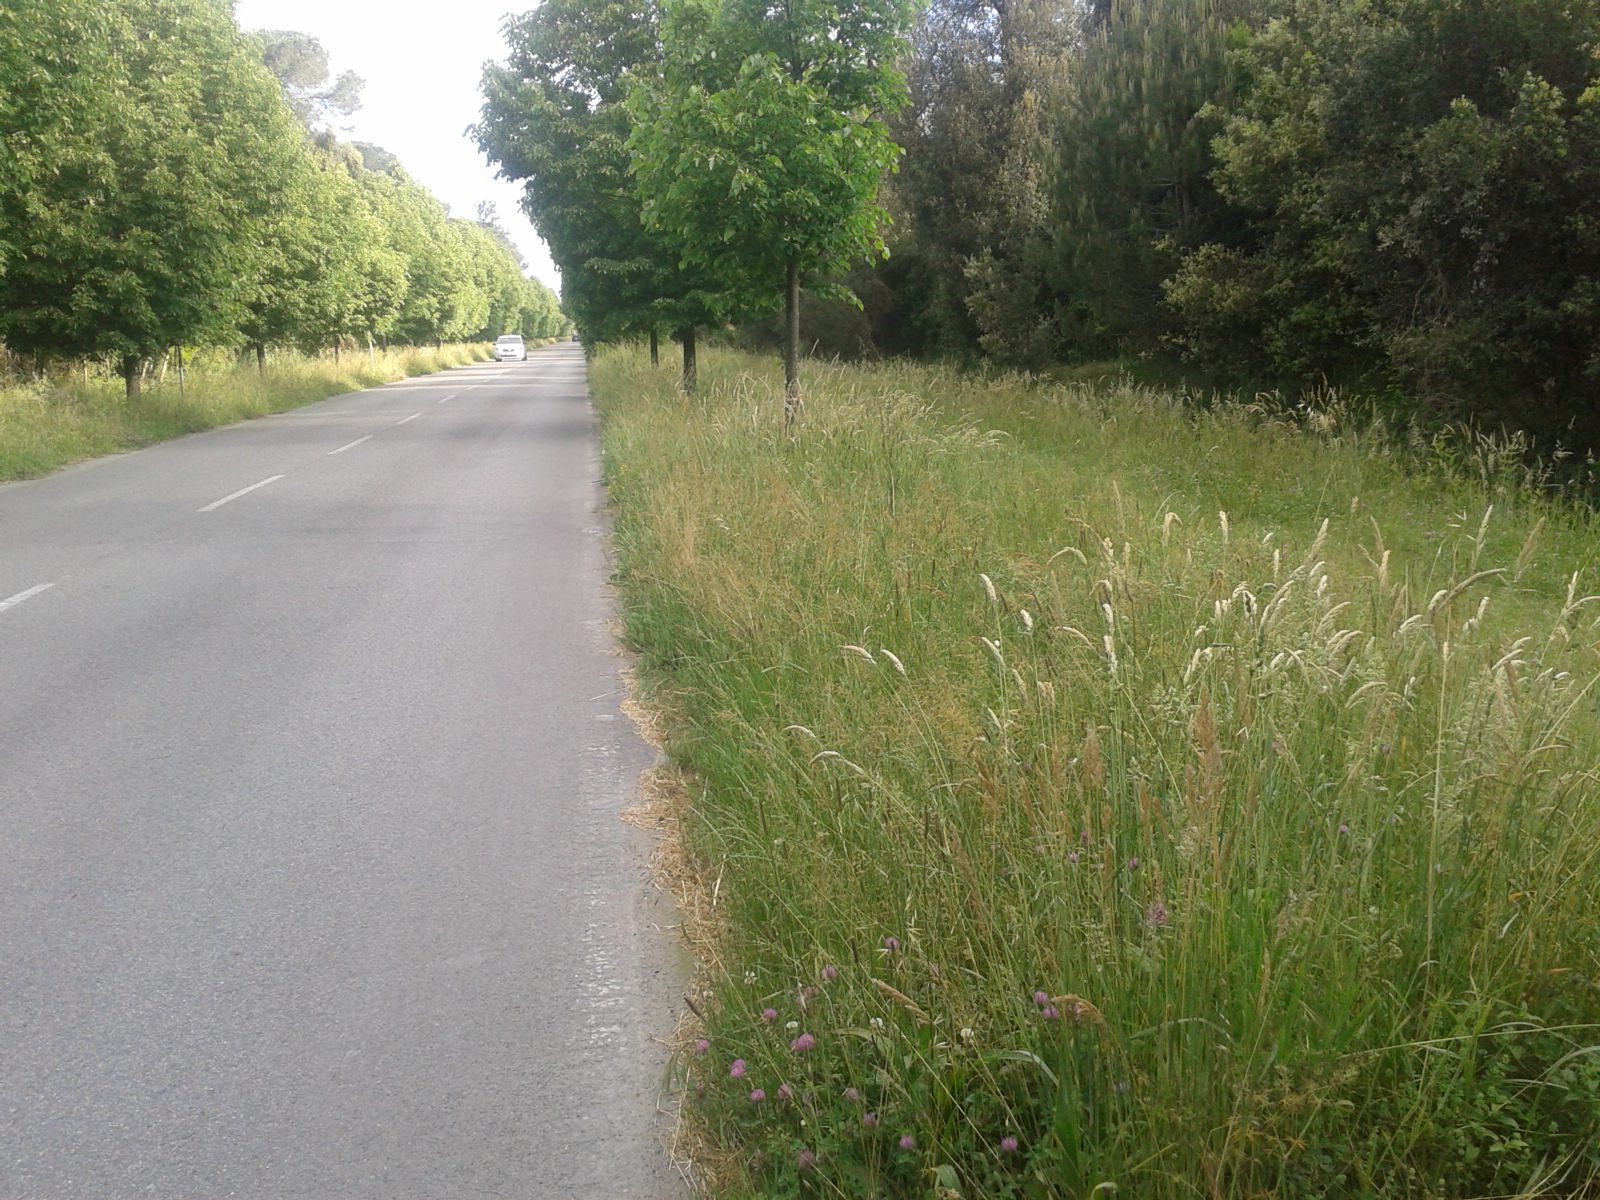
(312, 882)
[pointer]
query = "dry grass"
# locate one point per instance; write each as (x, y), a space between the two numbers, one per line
(1113, 794)
(72, 415)
(661, 809)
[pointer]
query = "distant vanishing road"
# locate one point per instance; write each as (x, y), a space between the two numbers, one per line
(312, 882)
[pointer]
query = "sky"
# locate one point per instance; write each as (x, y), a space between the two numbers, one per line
(422, 63)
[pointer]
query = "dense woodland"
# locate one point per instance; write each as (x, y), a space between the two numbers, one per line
(169, 181)
(1396, 195)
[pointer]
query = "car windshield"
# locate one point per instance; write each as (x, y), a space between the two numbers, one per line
(510, 340)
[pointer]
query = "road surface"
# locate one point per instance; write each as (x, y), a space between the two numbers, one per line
(312, 882)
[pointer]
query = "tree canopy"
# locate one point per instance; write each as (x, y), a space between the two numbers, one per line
(554, 119)
(154, 147)
(760, 144)
(157, 189)
(300, 64)
(1393, 192)
(681, 161)
(1419, 183)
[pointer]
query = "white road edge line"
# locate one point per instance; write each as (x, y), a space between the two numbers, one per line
(216, 504)
(412, 417)
(352, 445)
(13, 601)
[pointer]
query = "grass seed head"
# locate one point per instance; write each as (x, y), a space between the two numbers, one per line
(903, 1000)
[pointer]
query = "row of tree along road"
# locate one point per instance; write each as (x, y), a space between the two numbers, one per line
(691, 164)
(161, 187)
(1399, 195)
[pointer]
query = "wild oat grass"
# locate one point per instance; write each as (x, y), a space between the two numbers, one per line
(48, 422)
(1100, 795)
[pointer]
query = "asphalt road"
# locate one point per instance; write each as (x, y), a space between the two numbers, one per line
(312, 882)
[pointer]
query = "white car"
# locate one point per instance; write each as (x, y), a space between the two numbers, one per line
(509, 347)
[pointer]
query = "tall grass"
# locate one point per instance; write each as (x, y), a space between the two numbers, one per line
(1096, 795)
(48, 422)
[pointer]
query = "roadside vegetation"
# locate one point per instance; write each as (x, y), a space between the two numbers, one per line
(1398, 196)
(70, 415)
(171, 184)
(1087, 792)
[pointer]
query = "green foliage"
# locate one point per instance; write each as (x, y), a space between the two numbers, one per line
(441, 300)
(1398, 191)
(155, 190)
(147, 148)
(553, 117)
(976, 180)
(1010, 295)
(300, 64)
(749, 177)
(327, 272)
(383, 269)
(1203, 801)
(1421, 178)
(1131, 164)
(760, 146)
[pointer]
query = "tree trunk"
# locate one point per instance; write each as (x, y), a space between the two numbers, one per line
(335, 349)
(180, 372)
(261, 359)
(655, 348)
(132, 368)
(691, 370)
(791, 344)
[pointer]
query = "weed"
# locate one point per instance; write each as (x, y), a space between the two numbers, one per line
(1101, 795)
(47, 422)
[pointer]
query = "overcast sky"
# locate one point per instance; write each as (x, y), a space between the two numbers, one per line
(422, 63)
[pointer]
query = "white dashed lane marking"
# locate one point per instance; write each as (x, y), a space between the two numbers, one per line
(13, 601)
(216, 504)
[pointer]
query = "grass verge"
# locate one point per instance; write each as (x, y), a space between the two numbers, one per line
(1091, 795)
(46, 424)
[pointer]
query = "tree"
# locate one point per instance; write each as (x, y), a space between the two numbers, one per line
(1422, 185)
(517, 304)
(488, 217)
(971, 195)
(381, 267)
(300, 64)
(60, 91)
(554, 120)
(323, 259)
(150, 146)
(539, 312)
(440, 300)
(761, 144)
(375, 158)
(495, 278)
(1131, 189)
